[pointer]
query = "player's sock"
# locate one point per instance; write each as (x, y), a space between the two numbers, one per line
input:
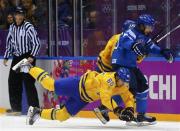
(55, 114)
(141, 101)
(43, 77)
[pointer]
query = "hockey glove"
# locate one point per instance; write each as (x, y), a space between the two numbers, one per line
(168, 55)
(126, 114)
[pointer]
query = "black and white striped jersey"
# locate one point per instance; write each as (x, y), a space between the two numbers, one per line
(21, 40)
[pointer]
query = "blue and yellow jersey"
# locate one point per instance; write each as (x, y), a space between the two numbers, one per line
(94, 86)
(104, 59)
(105, 56)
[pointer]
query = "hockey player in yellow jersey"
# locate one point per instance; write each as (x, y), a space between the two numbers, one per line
(90, 87)
(104, 58)
(104, 65)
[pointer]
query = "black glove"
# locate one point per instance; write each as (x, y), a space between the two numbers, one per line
(168, 55)
(126, 114)
(139, 49)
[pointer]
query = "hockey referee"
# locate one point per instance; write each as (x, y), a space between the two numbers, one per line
(22, 42)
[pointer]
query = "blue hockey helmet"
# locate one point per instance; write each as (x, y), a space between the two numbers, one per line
(128, 24)
(123, 74)
(146, 19)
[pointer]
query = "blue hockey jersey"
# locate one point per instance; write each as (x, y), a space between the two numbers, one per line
(123, 55)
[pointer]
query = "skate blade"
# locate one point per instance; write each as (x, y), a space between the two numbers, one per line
(133, 123)
(99, 116)
(30, 110)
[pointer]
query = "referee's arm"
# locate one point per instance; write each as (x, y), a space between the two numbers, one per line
(35, 41)
(8, 51)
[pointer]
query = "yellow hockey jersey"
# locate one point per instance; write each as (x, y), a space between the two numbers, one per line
(94, 86)
(104, 59)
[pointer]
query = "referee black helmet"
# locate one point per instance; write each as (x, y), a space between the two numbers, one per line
(20, 10)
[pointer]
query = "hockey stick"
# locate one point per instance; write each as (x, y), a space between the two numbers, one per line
(155, 37)
(164, 36)
(167, 34)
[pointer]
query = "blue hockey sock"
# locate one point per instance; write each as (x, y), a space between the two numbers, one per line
(141, 101)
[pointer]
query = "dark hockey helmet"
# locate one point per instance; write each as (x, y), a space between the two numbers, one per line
(19, 10)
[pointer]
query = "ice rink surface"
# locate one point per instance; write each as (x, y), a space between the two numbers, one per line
(12, 123)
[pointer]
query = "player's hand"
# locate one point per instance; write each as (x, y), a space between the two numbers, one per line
(126, 114)
(118, 110)
(5, 62)
(30, 60)
(168, 55)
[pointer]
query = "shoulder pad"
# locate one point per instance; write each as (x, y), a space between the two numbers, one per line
(130, 34)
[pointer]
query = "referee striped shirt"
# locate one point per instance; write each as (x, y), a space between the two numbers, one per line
(21, 40)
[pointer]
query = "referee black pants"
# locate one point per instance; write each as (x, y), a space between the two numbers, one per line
(16, 81)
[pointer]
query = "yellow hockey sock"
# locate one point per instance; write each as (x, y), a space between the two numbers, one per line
(43, 77)
(46, 114)
(55, 114)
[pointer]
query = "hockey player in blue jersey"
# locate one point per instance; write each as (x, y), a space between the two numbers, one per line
(134, 44)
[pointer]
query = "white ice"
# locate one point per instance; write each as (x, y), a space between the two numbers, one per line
(12, 123)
